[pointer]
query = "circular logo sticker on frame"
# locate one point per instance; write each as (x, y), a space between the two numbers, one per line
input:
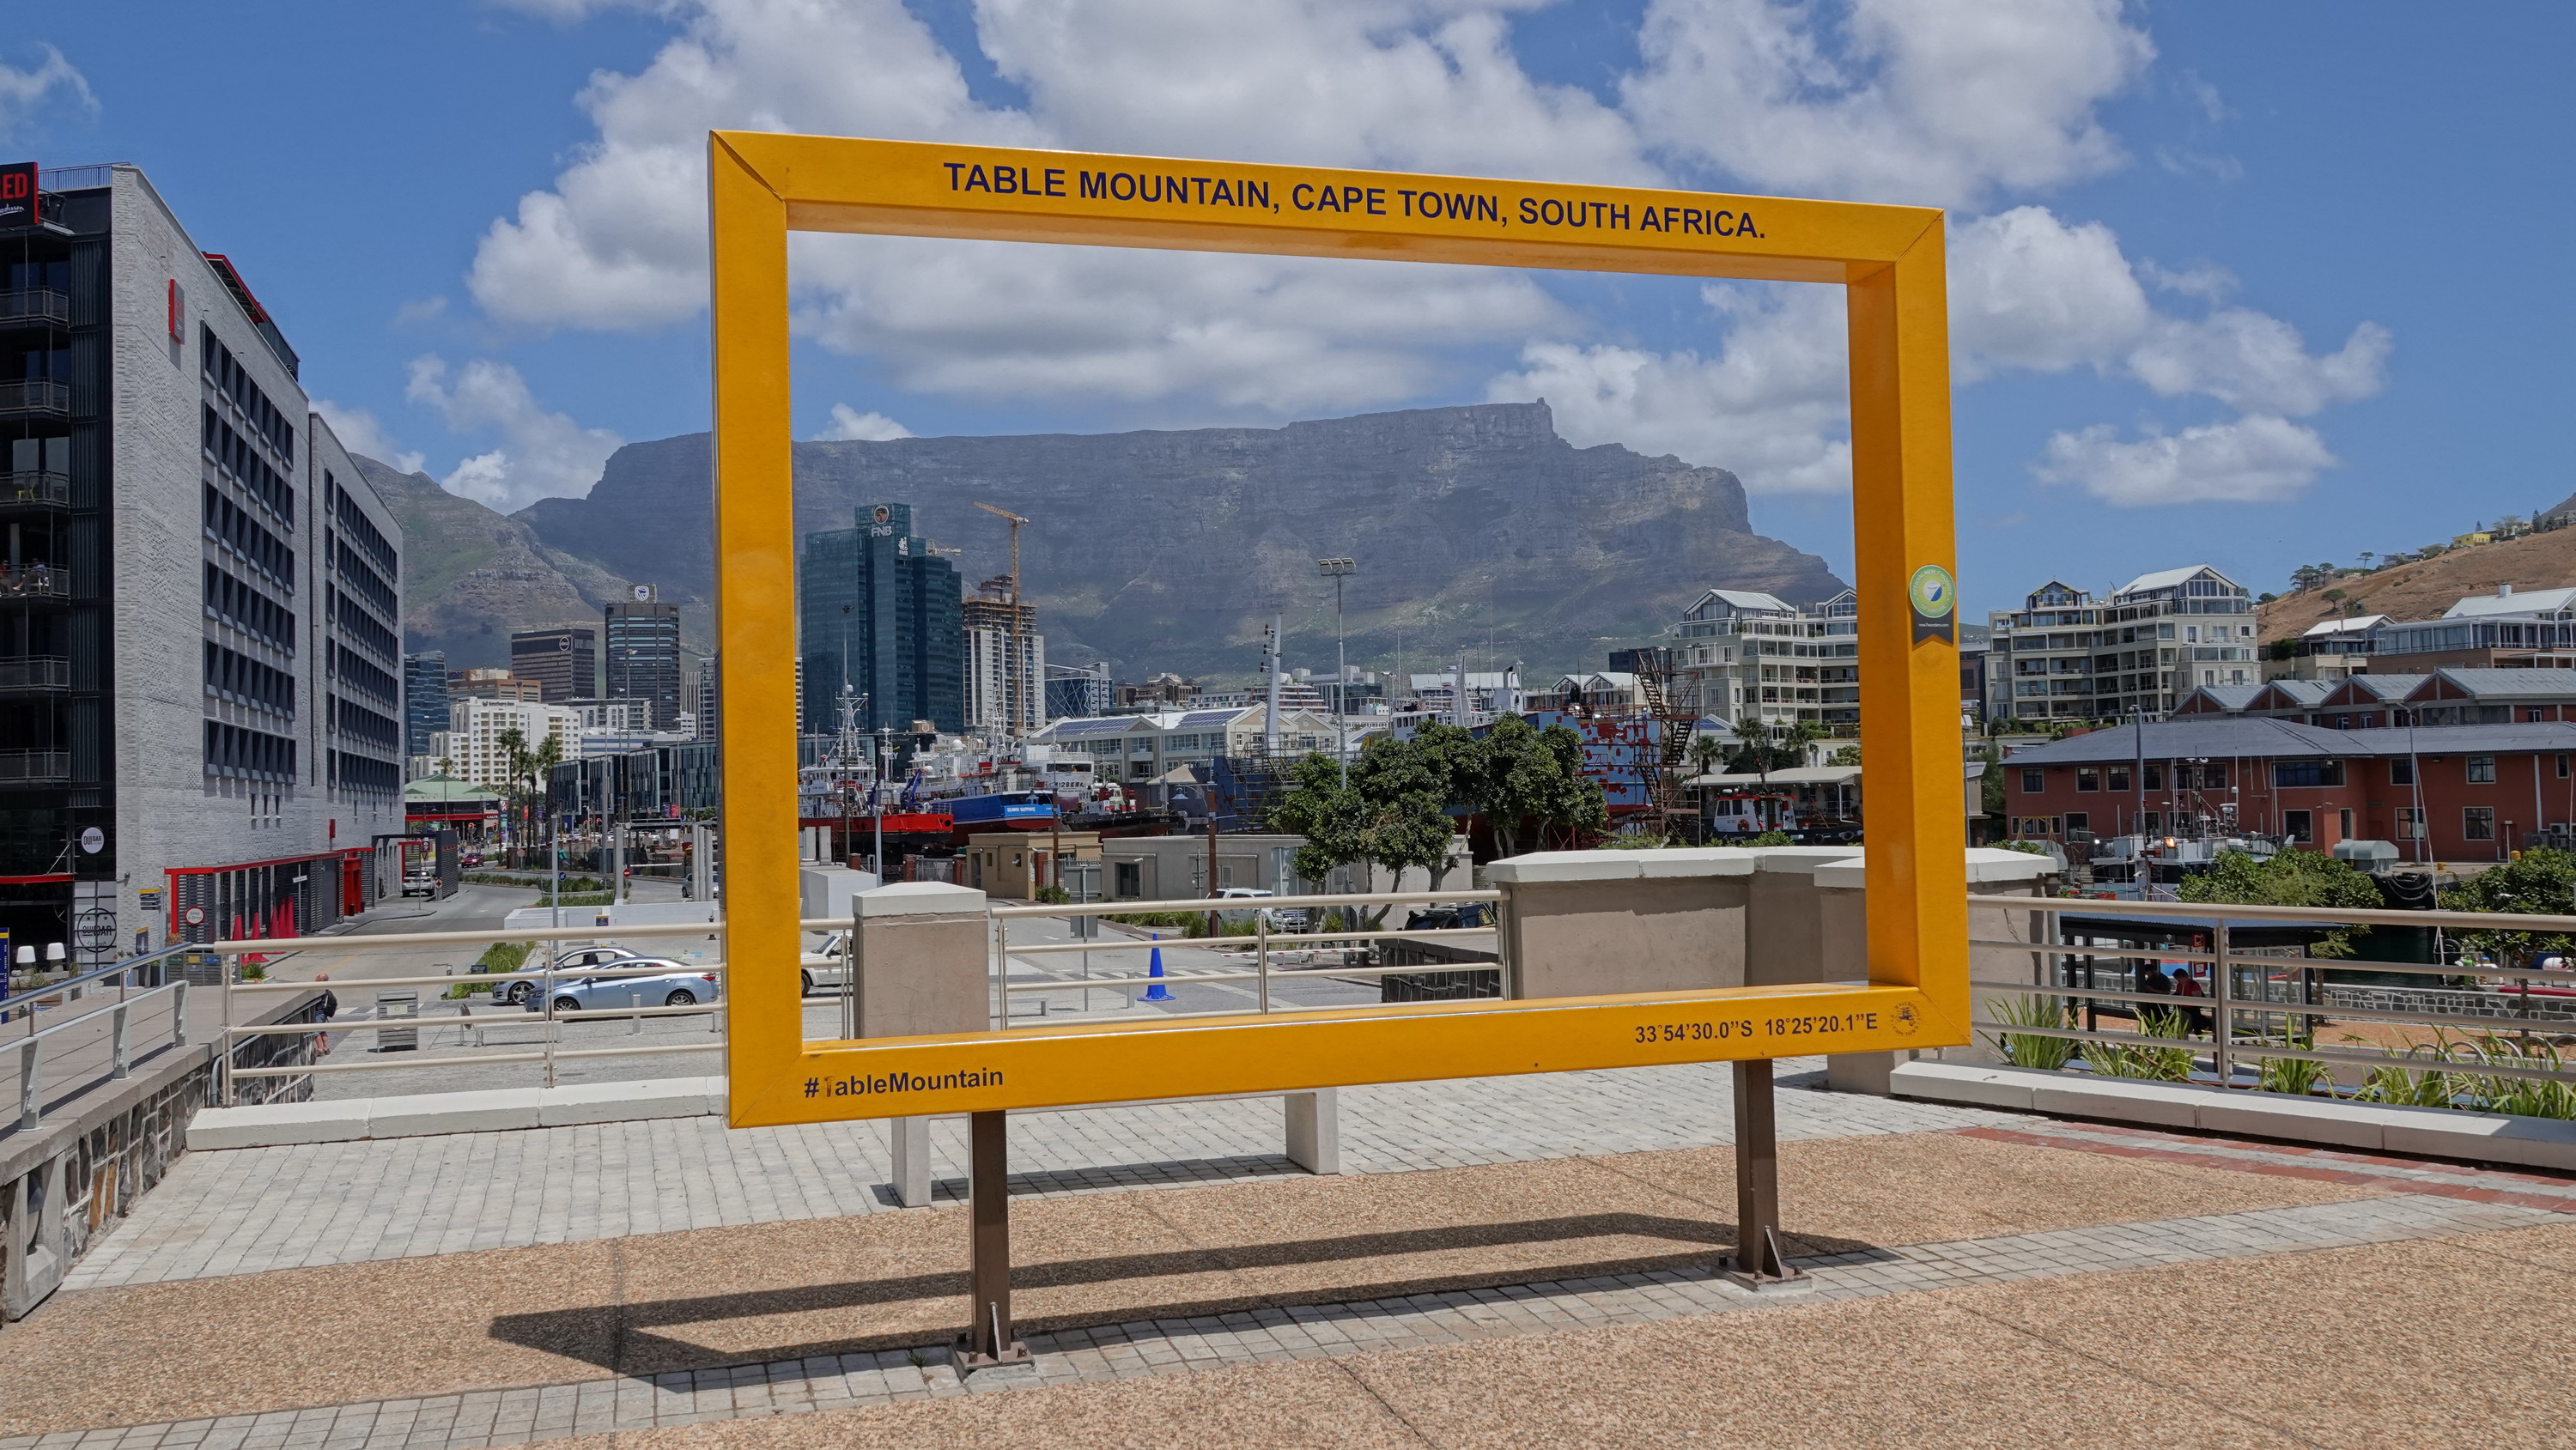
(1935, 597)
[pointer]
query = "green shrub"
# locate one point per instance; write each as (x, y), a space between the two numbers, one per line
(2029, 1049)
(1054, 895)
(500, 956)
(2135, 1060)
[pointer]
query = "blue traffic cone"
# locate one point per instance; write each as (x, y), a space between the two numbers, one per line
(1154, 969)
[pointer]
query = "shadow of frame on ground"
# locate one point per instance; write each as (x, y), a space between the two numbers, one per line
(625, 1338)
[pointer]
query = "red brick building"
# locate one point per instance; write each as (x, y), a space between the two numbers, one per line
(2444, 792)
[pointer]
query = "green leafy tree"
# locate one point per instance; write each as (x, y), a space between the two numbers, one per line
(1990, 786)
(1520, 775)
(2290, 878)
(1392, 813)
(1753, 750)
(1844, 755)
(2542, 883)
(1799, 735)
(1706, 751)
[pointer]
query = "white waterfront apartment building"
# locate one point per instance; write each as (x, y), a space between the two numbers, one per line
(2067, 655)
(1141, 749)
(1739, 653)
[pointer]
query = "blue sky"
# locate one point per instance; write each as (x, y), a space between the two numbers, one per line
(2230, 283)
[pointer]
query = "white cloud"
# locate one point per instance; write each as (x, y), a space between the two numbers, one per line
(22, 92)
(1409, 84)
(1936, 102)
(360, 431)
(2258, 363)
(542, 454)
(2029, 291)
(1772, 407)
(2250, 460)
(849, 423)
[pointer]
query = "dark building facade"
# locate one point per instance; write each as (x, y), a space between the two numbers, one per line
(201, 718)
(642, 640)
(876, 597)
(563, 661)
(424, 699)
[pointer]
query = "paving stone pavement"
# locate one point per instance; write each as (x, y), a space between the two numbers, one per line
(543, 1412)
(248, 1210)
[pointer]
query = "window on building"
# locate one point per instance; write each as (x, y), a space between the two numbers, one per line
(2119, 778)
(2535, 714)
(2562, 767)
(2343, 825)
(2410, 824)
(2402, 772)
(1131, 879)
(2286, 773)
(2477, 823)
(2299, 825)
(2481, 770)
(2151, 822)
(2032, 782)
(2088, 778)
(2155, 777)
(2079, 821)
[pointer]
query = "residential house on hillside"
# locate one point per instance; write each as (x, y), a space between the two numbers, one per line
(2065, 655)
(2534, 629)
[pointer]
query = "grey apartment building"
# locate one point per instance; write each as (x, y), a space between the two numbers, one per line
(200, 612)
(2066, 655)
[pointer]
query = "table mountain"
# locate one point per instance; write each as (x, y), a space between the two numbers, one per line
(1171, 549)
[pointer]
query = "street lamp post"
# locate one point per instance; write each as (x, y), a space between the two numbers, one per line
(1338, 570)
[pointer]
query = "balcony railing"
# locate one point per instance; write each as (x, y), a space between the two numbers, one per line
(35, 488)
(35, 304)
(35, 765)
(35, 674)
(34, 581)
(20, 396)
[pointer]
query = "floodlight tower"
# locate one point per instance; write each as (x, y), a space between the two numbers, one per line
(1338, 570)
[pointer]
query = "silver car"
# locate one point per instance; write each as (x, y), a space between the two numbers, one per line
(519, 991)
(658, 982)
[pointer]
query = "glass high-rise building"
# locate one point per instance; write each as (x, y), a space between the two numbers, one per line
(424, 699)
(876, 607)
(642, 646)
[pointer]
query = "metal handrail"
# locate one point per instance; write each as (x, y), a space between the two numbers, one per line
(2225, 1007)
(78, 986)
(1202, 905)
(30, 1048)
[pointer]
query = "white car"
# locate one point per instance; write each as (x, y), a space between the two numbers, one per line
(1281, 918)
(822, 966)
(568, 963)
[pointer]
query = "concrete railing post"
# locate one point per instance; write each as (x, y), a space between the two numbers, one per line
(1315, 1130)
(1587, 923)
(919, 964)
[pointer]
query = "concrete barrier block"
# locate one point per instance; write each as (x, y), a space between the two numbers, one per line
(1985, 1087)
(1535, 867)
(2161, 1104)
(2486, 1137)
(2298, 1119)
(266, 1125)
(473, 1112)
(624, 1102)
(1694, 861)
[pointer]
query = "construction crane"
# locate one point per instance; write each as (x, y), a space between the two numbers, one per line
(1020, 704)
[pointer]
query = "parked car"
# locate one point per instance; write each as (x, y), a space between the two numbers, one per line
(1281, 918)
(822, 966)
(674, 984)
(1450, 918)
(570, 963)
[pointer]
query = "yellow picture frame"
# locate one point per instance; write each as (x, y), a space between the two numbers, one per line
(762, 186)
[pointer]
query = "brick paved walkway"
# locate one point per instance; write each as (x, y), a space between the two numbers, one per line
(248, 1210)
(542, 1412)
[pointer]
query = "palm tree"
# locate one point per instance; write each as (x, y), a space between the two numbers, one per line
(1800, 735)
(514, 751)
(1755, 732)
(1705, 752)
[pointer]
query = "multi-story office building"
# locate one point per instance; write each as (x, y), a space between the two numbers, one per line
(174, 762)
(481, 682)
(710, 694)
(475, 746)
(642, 636)
(1005, 662)
(878, 609)
(1076, 693)
(424, 700)
(2065, 655)
(564, 661)
(1738, 653)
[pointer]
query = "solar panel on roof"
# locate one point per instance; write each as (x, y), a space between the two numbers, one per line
(1200, 719)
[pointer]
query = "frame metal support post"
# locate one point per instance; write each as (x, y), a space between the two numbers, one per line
(1758, 1259)
(2222, 1007)
(988, 1341)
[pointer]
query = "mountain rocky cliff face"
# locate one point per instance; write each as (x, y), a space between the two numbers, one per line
(1171, 550)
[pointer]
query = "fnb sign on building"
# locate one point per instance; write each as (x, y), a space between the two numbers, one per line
(2465, 792)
